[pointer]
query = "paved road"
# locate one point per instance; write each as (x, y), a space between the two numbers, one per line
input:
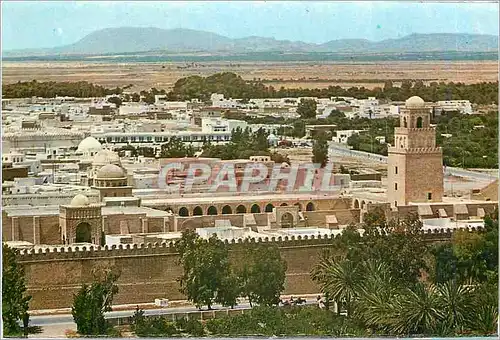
(336, 150)
(46, 320)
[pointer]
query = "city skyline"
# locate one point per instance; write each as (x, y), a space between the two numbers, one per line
(50, 24)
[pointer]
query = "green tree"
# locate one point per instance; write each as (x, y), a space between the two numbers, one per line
(115, 100)
(14, 298)
(307, 108)
(92, 301)
(341, 279)
(175, 148)
(320, 150)
(206, 266)
(263, 274)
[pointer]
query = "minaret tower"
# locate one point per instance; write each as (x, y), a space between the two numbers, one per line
(415, 164)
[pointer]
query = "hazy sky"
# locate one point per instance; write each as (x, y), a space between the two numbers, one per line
(48, 24)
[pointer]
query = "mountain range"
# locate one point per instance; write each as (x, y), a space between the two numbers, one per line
(136, 40)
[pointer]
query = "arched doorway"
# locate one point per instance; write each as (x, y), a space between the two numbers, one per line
(197, 211)
(310, 206)
(241, 209)
(83, 233)
(420, 122)
(269, 208)
(255, 209)
(287, 220)
(212, 210)
(183, 211)
(356, 204)
(283, 205)
(226, 210)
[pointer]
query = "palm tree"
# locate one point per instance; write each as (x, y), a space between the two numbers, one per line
(340, 279)
(455, 302)
(377, 294)
(417, 310)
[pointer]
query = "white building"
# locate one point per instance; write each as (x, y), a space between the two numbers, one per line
(341, 136)
(462, 106)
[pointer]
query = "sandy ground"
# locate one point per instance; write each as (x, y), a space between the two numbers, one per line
(289, 74)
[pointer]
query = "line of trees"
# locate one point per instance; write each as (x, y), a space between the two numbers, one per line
(51, 89)
(233, 86)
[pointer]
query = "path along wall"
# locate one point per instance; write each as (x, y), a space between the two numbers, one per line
(150, 271)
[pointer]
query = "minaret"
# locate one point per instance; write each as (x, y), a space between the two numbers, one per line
(415, 164)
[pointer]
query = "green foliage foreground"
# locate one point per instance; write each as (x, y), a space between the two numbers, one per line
(258, 321)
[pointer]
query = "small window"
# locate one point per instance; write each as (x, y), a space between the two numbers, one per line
(395, 203)
(429, 196)
(396, 170)
(395, 186)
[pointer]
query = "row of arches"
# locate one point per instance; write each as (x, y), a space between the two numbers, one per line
(360, 205)
(240, 209)
(419, 124)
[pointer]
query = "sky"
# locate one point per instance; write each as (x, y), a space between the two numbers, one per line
(48, 24)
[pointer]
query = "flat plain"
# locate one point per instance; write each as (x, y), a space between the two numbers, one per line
(163, 75)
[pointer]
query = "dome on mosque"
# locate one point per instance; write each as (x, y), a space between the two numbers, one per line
(110, 171)
(89, 144)
(105, 157)
(415, 101)
(80, 201)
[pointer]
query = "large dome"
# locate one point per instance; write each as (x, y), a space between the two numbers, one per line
(80, 201)
(415, 101)
(110, 171)
(105, 157)
(89, 144)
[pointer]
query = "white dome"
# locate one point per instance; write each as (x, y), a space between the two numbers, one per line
(105, 157)
(415, 101)
(80, 201)
(89, 144)
(110, 171)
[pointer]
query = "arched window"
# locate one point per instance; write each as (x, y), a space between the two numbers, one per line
(283, 205)
(310, 206)
(212, 210)
(197, 211)
(255, 209)
(226, 210)
(269, 208)
(183, 211)
(241, 209)
(356, 204)
(419, 122)
(405, 123)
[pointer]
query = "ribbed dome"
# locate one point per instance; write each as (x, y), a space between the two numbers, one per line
(89, 144)
(110, 171)
(105, 157)
(80, 201)
(415, 101)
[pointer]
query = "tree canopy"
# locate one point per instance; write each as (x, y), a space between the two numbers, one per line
(15, 300)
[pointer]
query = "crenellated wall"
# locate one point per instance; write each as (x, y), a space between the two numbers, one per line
(151, 271)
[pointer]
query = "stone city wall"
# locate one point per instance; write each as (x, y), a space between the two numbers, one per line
(150, 271)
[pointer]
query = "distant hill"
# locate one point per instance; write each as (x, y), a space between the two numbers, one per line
(135, 39)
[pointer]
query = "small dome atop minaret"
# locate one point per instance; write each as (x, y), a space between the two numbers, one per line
(415, 101)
